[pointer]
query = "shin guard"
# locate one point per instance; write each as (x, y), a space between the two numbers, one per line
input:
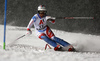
(60, 41)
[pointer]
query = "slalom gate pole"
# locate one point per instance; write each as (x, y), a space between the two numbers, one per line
(48, 46)
(5, 13)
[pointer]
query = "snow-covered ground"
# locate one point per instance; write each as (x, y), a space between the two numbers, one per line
(30, 48)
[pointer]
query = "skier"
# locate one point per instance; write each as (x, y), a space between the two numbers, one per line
(44, 32)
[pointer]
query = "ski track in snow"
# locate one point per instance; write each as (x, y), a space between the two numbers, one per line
(30, 48)
(31, 53)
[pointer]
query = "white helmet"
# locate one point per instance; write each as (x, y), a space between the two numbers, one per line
(41, 8)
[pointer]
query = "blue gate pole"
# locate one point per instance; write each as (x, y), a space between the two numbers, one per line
(5, 13)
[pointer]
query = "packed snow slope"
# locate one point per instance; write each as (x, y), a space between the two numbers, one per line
(30, 48)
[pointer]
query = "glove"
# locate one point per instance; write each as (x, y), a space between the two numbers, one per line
(29, 32)
(49, 17)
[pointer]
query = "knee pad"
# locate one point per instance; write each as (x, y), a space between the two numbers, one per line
(48, 40)
(42, 36)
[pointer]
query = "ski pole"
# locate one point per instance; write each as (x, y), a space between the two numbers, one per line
(73, 17)
(20, 37)
(17, 39)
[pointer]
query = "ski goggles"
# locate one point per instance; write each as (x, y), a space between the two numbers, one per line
(42, 12)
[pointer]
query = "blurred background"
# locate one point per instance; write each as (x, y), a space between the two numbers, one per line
(19, 13)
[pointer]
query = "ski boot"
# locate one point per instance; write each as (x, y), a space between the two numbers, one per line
(58, 48)
(70, 48)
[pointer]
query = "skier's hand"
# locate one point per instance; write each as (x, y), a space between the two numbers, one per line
(49, 17)
(29, 32)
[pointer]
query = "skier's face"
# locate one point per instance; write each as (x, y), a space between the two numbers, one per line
(42, 13)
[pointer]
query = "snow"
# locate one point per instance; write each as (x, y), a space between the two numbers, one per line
(30, 48)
